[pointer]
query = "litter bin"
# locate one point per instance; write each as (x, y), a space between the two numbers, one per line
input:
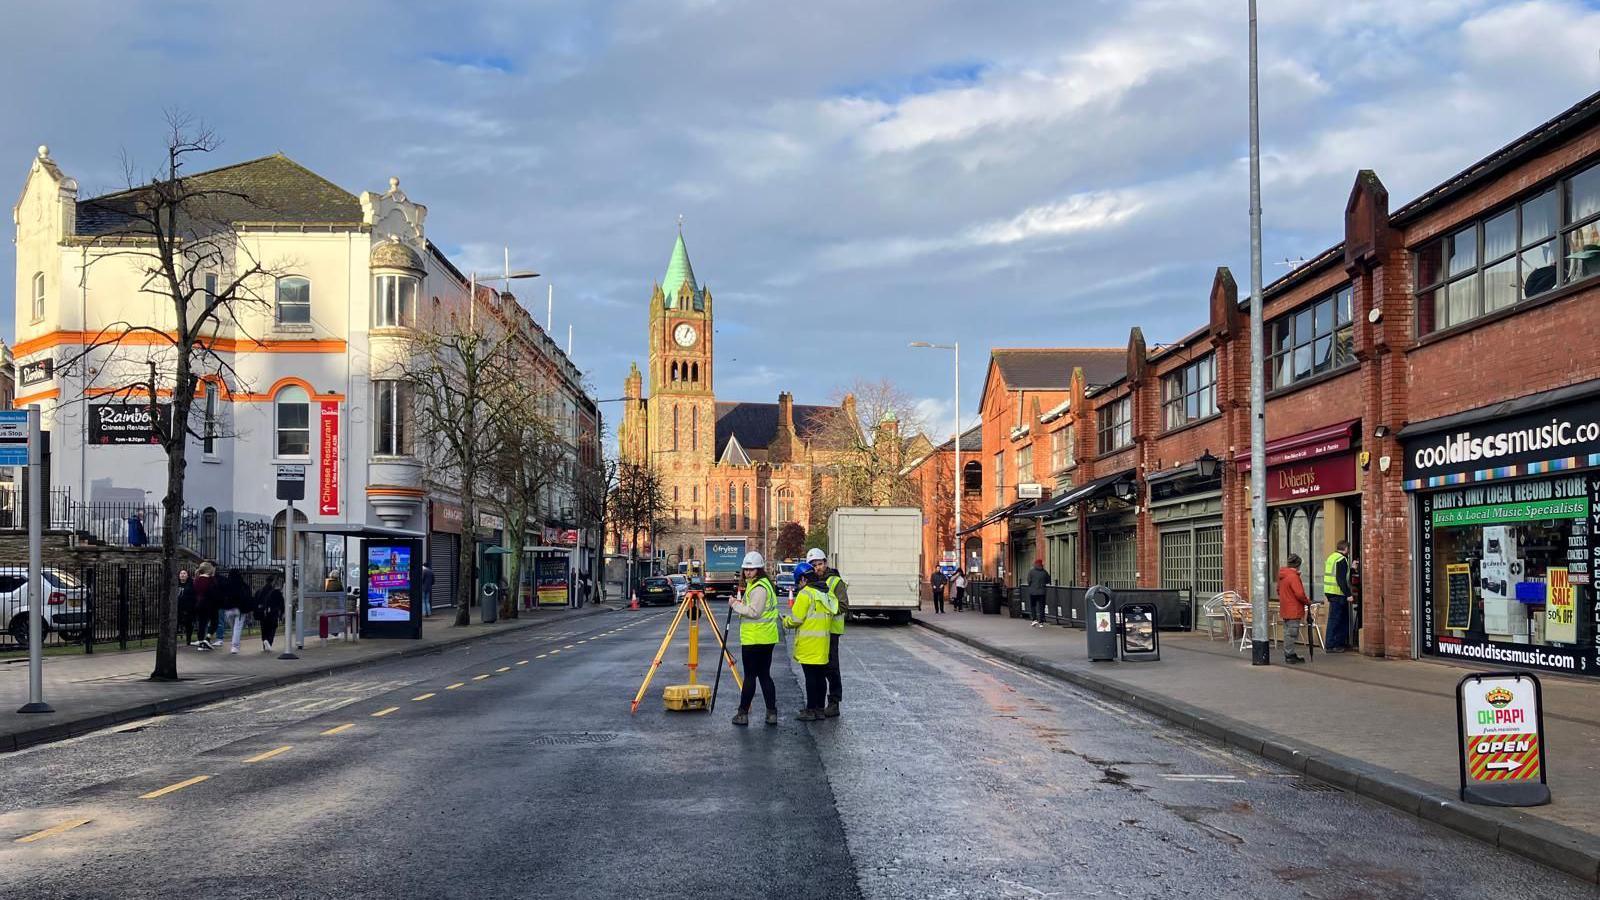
(489, 603)
(1101, 626)
(989, 598)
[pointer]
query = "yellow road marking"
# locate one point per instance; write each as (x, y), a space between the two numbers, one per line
(451, 687)
(503, 669)
(187, 782)
(338, 728)
(479, 677)
(422, 697)
(522, 662)
(52, 831)
(384, 712)
(279, 751)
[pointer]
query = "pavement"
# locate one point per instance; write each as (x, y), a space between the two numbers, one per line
(1383, 728)
(94, 691)
(512, 768)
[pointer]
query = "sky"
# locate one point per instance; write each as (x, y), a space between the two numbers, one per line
(852, 174)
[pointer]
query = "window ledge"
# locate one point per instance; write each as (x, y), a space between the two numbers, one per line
(1192, 424)
(293, 328)
(1314, 380)
(210, 458)
(404, 331)
(1545, 299)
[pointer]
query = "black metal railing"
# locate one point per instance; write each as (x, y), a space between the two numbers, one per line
(1065, 605)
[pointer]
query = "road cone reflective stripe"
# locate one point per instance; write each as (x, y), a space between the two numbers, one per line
(635, 603)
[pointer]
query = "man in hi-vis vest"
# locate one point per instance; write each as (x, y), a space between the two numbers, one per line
(810, 617)
(1336, 588)
(757, 608)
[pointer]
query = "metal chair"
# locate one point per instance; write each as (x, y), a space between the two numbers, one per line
(1215, 612)
(1239, 615)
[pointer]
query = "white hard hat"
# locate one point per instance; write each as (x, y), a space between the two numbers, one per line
(815, 554)
(754, 560)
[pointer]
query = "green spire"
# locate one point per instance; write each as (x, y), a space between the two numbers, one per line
(679, 271)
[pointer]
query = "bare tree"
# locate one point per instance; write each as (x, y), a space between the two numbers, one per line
(176, 233)
(531, 461)
(463, 370)
(865, 445)
(638, 502)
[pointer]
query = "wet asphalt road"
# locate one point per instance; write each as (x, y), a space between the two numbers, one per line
(951, 774)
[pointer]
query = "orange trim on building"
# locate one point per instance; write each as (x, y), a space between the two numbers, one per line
(23, 401)
(379, 490)
(150, 339)
(280, 384)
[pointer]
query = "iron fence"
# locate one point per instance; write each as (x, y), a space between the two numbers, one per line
(1065, 605)
(14, 508)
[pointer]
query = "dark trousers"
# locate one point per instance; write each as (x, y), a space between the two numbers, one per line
(269, 626)
(758, 667)
(1338, 622)
(1036, 606)
(938, 600)
(816, 684)
(186, 621)
(961, 598)
(205, 622)
(831, 671)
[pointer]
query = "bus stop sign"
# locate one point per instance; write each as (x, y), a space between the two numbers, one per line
(1500, 724)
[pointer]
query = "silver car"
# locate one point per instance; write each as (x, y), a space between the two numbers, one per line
(66, 606)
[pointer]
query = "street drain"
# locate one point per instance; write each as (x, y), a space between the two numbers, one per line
(1311, 786)
(575, 739)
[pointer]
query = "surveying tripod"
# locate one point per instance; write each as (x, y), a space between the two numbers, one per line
(693, 695)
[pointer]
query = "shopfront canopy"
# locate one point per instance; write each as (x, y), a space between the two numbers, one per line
(357, 530)
(1100, 487)
(997, 515)
(1305, 445)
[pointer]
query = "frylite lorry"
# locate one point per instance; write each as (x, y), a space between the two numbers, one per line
(878, 552)
(723, 557)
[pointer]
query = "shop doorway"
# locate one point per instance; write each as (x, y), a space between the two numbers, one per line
(1116, 554)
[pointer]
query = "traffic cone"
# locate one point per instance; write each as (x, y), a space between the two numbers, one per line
(635, 603)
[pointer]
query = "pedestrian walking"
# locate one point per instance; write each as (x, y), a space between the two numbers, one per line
(938, 581)
(269, 611)
(1292, 606)
(186, 605)
(757, 609)
(960, 583)
(234, 601)
(1336, 588)
(425, 583)
(205, 603)
(810, 617)
(830, 581)
(1038, 579)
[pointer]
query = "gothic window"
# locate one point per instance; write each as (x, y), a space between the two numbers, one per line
(785, 504)
(745, 506)
(732, 495)
(694, 429)
(674, 426)
(674, 370)
(694, 373)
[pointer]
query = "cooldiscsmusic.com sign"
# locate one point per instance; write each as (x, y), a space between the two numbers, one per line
(1571, 431)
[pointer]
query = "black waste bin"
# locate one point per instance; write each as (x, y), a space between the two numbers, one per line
(489, 603)
(1100, 613)
(989, 598)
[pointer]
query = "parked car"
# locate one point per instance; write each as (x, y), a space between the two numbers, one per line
(66, 606)
(785, 582)
(657, 591)
(680, 584)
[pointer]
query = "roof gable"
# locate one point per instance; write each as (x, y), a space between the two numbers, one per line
(756, 424)
(733, 454)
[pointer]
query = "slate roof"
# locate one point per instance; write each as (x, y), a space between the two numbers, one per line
(971, 441)
(270, 189)
(1050, 368)
(756, 424)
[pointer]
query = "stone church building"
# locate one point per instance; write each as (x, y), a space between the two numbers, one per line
(728, 468)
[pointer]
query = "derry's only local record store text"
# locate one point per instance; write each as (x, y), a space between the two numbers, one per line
(1508, 507)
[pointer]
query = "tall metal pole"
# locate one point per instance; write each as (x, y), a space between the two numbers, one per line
(1260, 645)
(291, 629)
(955, 535)
(36, 593)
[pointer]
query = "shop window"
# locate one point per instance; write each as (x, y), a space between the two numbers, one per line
(293, 301)
(396, 304)
(1116, 425)
(1177, 560)
(1190, 394)
(1298, 530)
(1208, 561)
(972, 477)
(1314, 339)
(292, 410)
(1061, 453)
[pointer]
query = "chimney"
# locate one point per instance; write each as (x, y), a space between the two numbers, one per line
(785, 409)
(631, 387)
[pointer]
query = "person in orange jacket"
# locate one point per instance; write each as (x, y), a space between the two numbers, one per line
(1292, 603)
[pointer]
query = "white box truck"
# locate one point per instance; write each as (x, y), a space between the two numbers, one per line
(878, 552)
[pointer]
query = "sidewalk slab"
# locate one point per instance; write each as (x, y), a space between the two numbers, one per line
(94, 691)
(1385, 729)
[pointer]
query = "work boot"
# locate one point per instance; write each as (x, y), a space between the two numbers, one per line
(1293, 658)
(743, 718)
(772, 717)
(831, 711)
(807, 715)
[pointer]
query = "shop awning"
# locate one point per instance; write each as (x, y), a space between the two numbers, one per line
(356, 530)
(1100, 487)
(997, 515)
(1305, 445)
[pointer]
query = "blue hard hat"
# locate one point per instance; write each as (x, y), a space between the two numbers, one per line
(804, 570)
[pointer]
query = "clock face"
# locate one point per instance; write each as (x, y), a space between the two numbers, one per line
(684, 334)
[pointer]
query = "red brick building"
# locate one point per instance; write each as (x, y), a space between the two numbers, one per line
(1433, 396)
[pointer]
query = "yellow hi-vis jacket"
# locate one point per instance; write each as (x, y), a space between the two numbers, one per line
(764, 630)
(841, 600)
(1330, 575)
(811, 616)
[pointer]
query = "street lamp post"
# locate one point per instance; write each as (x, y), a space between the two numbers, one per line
(955, 535)
(1260, 646)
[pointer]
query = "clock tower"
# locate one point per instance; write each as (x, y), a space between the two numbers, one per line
(682, 408)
